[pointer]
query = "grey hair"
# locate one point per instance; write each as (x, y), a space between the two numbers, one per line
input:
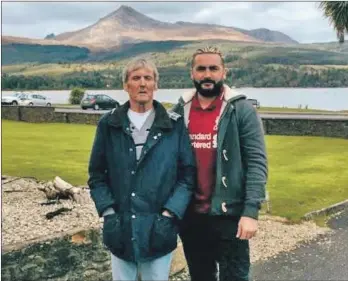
(207, 50)
(137, 64)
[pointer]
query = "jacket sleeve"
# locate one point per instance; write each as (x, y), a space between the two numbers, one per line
(100, 192)
(254, 159)
(184, 186)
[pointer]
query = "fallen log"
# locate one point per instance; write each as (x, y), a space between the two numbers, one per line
(60, 189)
(50, 191)
(65, 188)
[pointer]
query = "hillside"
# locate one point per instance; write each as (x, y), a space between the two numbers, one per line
(250, 64)
(180, 52)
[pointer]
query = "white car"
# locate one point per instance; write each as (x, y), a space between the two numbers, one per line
(34, 100)
(11, 99)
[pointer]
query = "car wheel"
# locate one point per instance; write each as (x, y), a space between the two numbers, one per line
(31, 104)
(84, 108)
(96, 107)
(14, 103)
(48, 104)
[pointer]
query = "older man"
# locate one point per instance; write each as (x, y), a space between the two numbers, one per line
(141, 171)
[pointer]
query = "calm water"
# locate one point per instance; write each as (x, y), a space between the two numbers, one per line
(315, 98)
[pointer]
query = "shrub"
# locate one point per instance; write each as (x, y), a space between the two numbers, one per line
(76, 95)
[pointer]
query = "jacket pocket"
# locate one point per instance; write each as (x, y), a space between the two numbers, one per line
(164, 234)
(112, 232)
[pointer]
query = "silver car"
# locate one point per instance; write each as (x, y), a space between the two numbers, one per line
(11, 99)
(34, 100)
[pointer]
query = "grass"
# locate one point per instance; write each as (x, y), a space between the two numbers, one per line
(321, 220)
(305, 173)
(46, 150)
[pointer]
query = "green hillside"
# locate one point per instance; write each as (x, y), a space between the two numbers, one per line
(257, 65)
(22, 53)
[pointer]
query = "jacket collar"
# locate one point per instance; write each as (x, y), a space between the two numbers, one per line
(119, 118)
(229, 95)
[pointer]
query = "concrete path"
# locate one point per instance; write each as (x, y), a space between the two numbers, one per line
(326, 258)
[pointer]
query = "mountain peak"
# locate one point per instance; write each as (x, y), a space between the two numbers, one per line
(129, 17)
(126, 10)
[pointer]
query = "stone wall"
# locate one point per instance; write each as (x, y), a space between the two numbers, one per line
(78, 118)
(74, 256)
(293, 125)
(10, 113)
(307, 127)
(34, 114)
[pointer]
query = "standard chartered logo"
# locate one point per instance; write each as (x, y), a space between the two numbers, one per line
(204, 141)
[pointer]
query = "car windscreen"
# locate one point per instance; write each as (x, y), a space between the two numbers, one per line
(90, 97)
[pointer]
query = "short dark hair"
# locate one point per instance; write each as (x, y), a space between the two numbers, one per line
(207, 50)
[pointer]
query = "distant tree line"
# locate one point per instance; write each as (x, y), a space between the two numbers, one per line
(253, 75)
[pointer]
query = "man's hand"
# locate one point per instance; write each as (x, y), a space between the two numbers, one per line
(247, 228)
(166, 213)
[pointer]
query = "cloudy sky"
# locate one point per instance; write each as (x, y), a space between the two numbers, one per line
(303, 21)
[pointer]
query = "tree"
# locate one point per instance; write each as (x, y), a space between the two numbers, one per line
(337, 13)
(76, 95)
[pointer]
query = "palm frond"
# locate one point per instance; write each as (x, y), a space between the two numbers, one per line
(337, 13)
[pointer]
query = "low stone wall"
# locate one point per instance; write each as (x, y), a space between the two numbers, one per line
(78, 118)
(307, 127)
(293, 125)
(10, 113)
(74, 256)
(33, 114)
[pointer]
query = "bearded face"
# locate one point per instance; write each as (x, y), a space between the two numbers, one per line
(208, 87)
(208, 74)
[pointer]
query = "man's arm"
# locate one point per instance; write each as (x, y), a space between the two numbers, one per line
(255, 162)
(184, 186)
(254, 159)
(97, 169)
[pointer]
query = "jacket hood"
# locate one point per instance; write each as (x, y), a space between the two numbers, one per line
(229, 95)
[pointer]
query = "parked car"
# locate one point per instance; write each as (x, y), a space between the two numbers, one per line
(254, 102)
(11, 99)
(34, 100)
(98, 101)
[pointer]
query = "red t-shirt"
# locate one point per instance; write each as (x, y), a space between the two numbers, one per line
(202, 127)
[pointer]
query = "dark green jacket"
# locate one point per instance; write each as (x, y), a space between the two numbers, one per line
(138, 192)
(241, 168)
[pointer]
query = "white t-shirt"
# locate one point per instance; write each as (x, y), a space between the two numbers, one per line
(138, 118)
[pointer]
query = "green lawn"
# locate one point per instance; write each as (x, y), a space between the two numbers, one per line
(46, 150)
(305, 173)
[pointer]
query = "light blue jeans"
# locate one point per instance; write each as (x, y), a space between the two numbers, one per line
(156, 270)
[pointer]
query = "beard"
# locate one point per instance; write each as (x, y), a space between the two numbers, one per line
(209, 93)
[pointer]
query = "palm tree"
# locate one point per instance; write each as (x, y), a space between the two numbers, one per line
(337, 13)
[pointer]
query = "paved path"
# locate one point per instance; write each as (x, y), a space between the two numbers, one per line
(326, 258)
